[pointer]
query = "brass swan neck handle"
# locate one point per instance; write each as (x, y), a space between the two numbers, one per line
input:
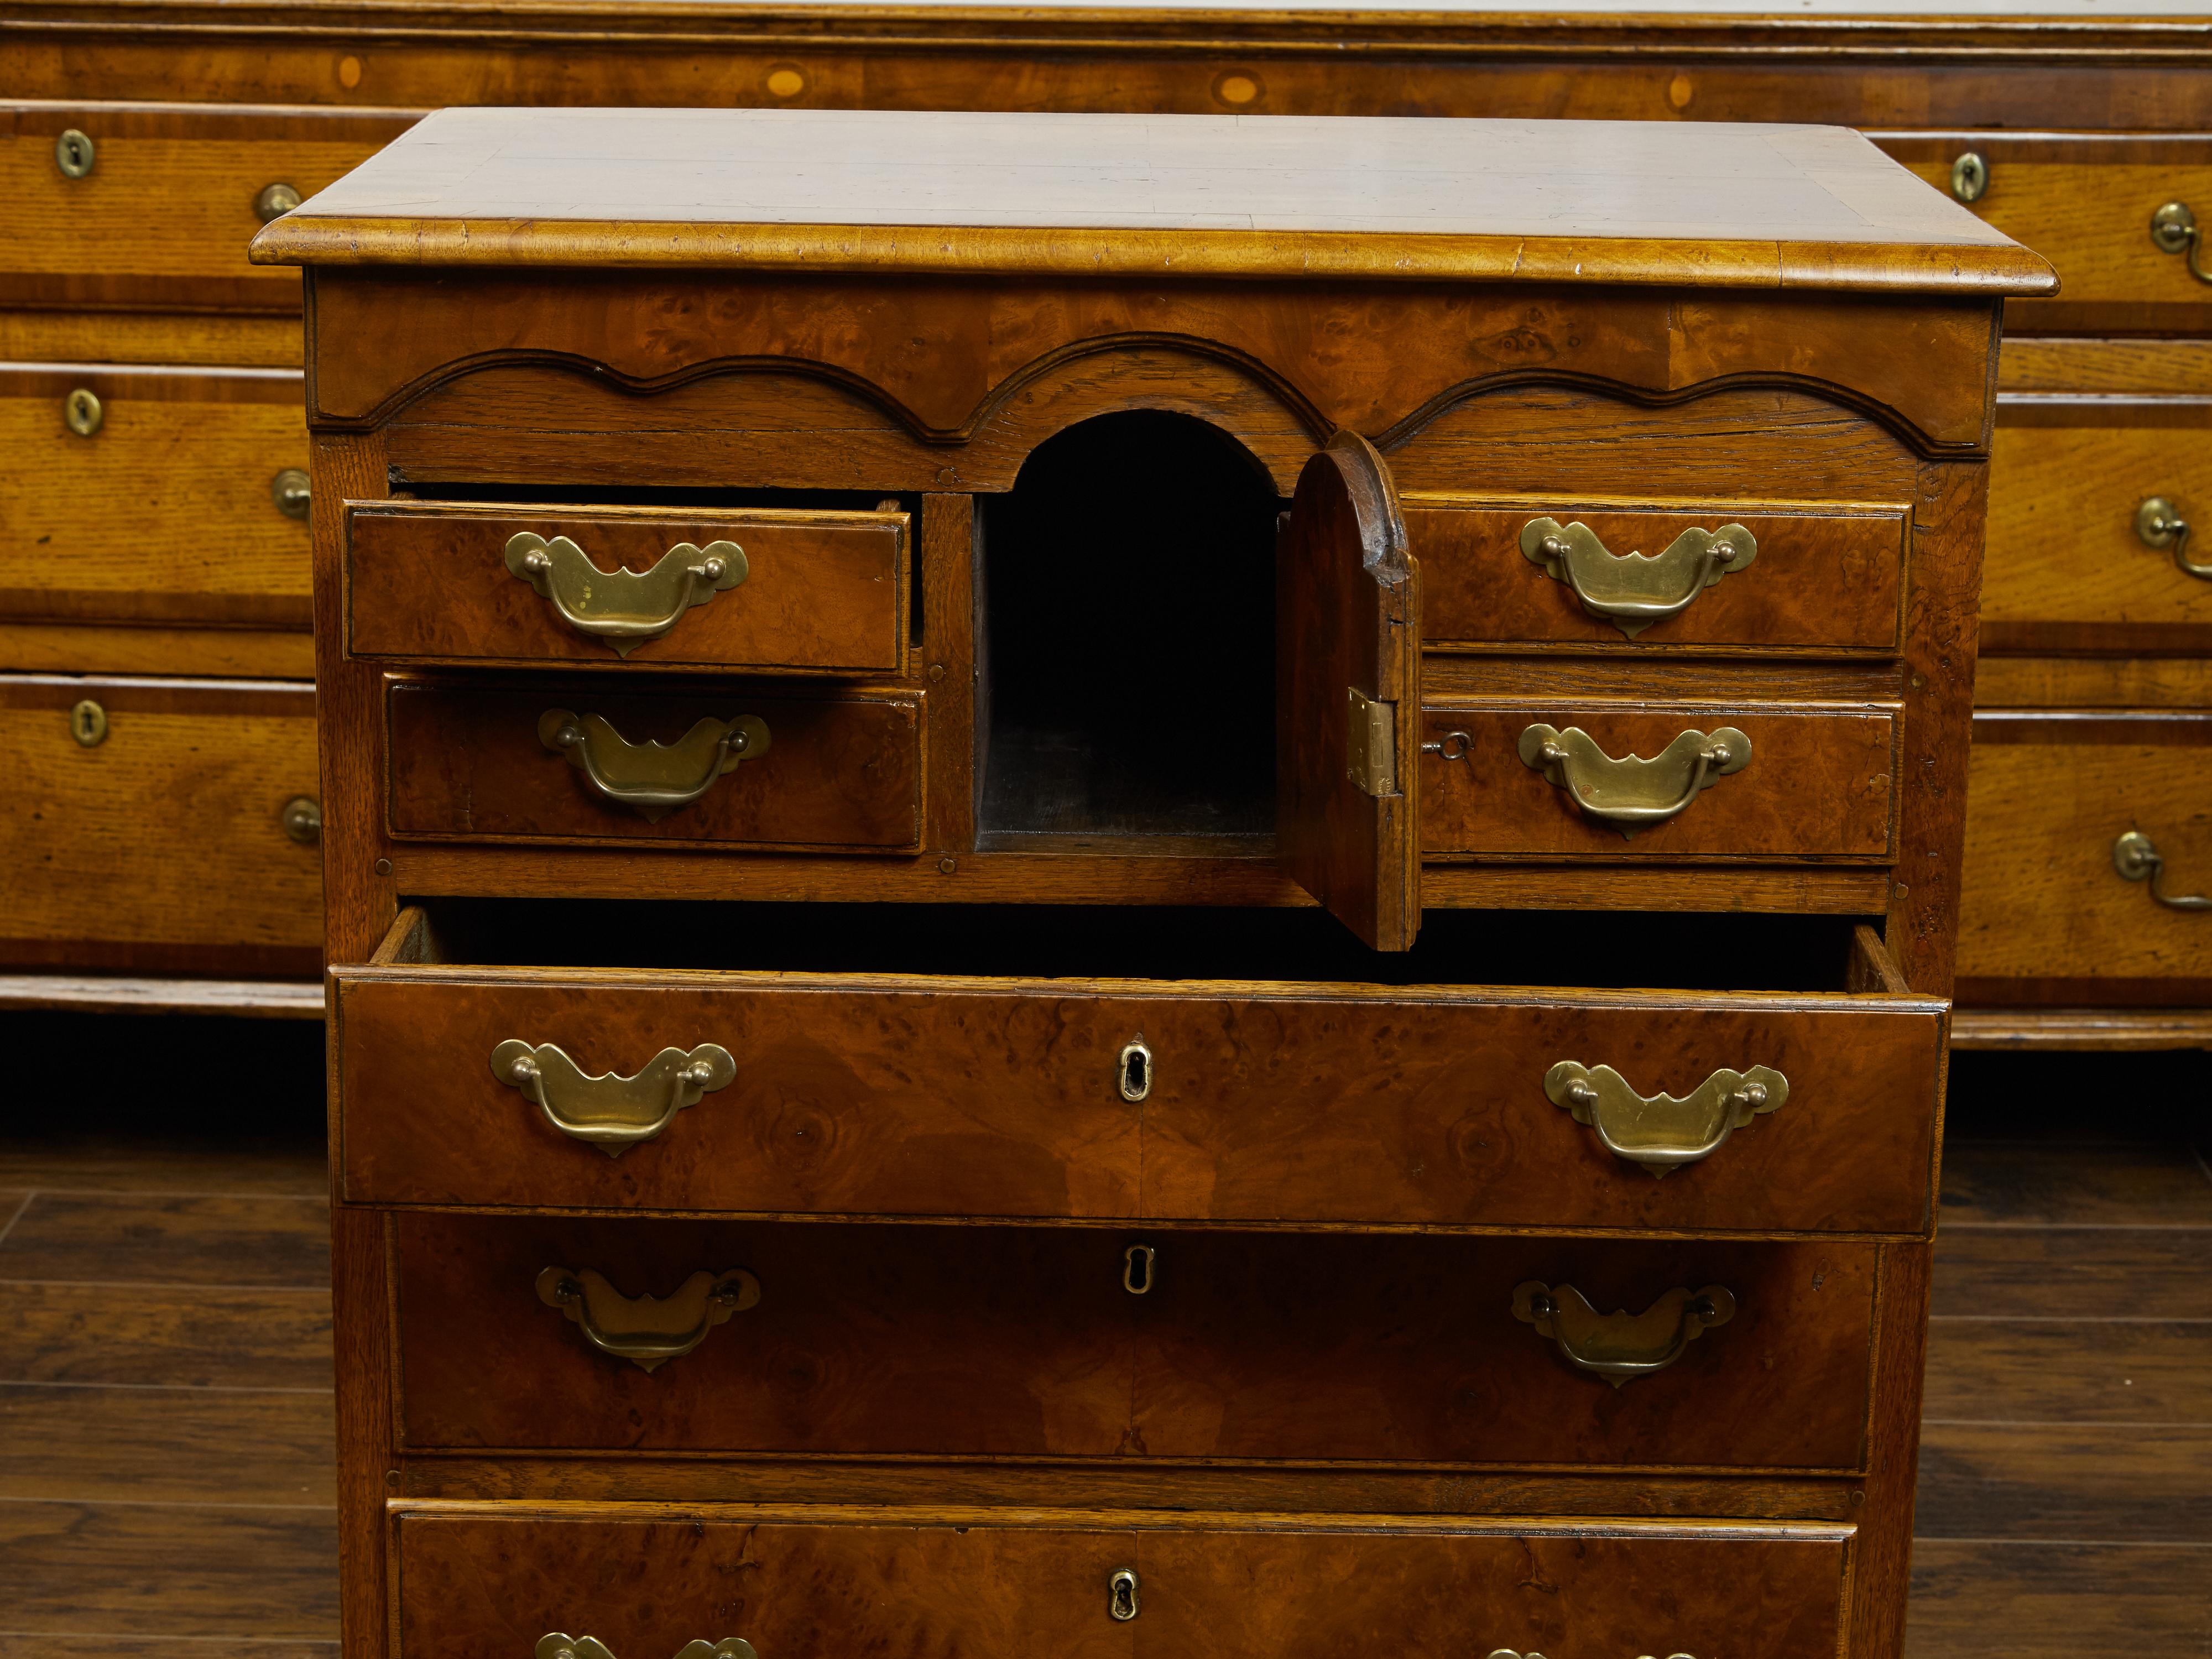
(607, 1111)
(2161, 527)
(652, 779)
(2174, 229)
(625, 608)
(1661, 1132)
(647, 1331)
(1621, 1346)
(1632, 793)
(1632, 591)
(2137, 857)
(555, 1645)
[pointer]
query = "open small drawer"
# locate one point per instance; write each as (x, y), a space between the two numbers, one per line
(1237, 1067)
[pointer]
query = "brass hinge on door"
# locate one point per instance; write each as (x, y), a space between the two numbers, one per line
(1371, 744)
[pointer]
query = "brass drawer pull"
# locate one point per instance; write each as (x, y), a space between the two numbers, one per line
(2173, 229)
(290, 493)
(625, 608)
(1621, 1346)
(1631, 792)
(612, 1113)
(2159, 526)
(652, 779)
(557, 1646)
(1631, 591)
(273, 202)
(2137, 858)
(1661, 1132)
(647, 1331)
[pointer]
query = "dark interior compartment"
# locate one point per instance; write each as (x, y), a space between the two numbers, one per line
(1129, 636)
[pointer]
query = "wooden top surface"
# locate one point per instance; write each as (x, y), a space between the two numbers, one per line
(1705, 204)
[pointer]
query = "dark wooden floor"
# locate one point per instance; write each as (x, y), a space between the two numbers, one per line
(165, 1360)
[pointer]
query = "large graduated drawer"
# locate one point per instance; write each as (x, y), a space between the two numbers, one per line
(475, 1582)
(1257, 1074)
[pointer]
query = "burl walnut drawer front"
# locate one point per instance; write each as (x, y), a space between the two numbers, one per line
(1797, 577)
(974, 1342)
(142, 204)
(2093, 505)
(2089, 859)
(1640, 781)
(722, 767)
(768, 592)
(475, 1582)
(1209, 1101)
(154, 495)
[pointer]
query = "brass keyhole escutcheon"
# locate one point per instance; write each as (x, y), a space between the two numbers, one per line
(1970, 177)
(82, 411)
(288, 489)
(89, 723)
(1121, 1601)
(274, 201)
(302, 818)
(1133, 1071)
(74, 153)
(1138, 1272)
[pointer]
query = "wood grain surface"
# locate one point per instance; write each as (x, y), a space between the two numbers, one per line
(2047, 918)
(1826, 578)
(824, 592)
(164, 515)
(840, 773)
(1820, 784)
(942, 1098)
(478, 1586)
(163, 846)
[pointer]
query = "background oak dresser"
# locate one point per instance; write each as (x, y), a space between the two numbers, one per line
(991, 890)
(150, 138)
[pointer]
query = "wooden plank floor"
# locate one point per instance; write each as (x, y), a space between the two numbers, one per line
(165, 1367)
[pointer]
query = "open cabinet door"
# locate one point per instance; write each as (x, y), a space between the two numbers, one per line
(1347, 656)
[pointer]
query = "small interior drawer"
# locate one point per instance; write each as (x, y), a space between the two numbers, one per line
(967, 1341)
(768, 592)
(480, 1582)
(1798, 577)
(727, 767)
(1257, 1071)
(1640, 781)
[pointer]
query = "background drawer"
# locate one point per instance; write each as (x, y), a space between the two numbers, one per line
(839, 774)
(167, 211)
(1827, 577)
(929, 1096)
(2044, 915)
(964, 1341)
(167, 513)
(824, 592)
(1819, 784)
(2084, 203)
(2064, 567)
(163, 846)
(487, 1584)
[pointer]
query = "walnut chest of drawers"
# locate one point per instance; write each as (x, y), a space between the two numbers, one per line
(1168, 886)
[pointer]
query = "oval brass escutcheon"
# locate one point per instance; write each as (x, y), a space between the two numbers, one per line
(274, 201)
(1133, 1071)
(289, 491)
(1121, 1598)
(89, 723)
(82, 411)
(302, 818)
(1970, 177)
(74, 153)
(1138, 1273)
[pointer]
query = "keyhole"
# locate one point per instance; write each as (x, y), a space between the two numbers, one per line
(1137, 1269)
(1132, 1074)
(88, 723)
(1122, 1594)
